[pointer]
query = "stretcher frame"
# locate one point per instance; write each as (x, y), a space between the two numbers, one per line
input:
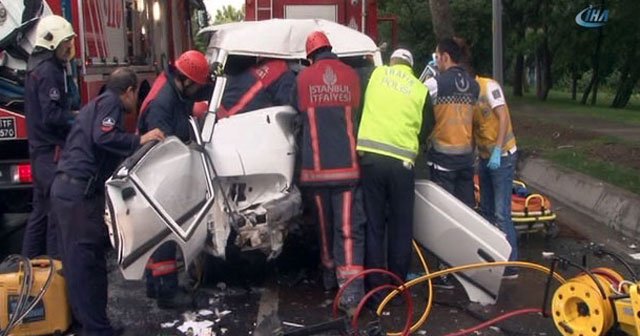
(534, 221)
(527, 221)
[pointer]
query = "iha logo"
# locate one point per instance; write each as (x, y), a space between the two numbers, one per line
(592, 17)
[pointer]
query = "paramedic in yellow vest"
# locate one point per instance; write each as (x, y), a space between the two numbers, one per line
(388, 141)
(497, 150)
(454, 92)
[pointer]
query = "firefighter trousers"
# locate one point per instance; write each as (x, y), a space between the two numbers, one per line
(341, 223)
(162, 272)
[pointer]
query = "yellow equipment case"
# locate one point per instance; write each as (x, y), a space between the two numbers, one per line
(51, 315)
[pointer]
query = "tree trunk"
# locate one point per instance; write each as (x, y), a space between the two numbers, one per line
(538, 74)
(543, 71)
(519, 78)
(595, 78)
(574, 84)
(625, 90)
(546, 79)
(529, 77)
(596, 84)
(518, 74)
(585, 95)
(441, 16)
(629, 76)
(543, 54)
(593, 83)
(596, 70)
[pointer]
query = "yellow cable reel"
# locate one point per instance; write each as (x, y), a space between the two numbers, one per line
(579, 308)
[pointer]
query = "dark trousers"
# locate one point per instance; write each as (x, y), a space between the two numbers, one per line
(84, 239)
(162, 273)
(40, 236)
(388, 187)
(341, 223)
(458, 183)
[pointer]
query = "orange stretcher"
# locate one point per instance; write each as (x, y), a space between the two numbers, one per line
(530, 212)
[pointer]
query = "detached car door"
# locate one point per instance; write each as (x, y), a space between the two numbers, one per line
(162, 193)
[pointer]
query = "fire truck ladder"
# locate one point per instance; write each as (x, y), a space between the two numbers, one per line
(260, 9)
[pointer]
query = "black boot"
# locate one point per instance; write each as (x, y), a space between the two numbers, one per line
(329, 280)
(351, 296)
(150, 283)
(170, 295)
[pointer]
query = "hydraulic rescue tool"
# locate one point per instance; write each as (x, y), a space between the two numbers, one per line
(598, 301)
(33, 297)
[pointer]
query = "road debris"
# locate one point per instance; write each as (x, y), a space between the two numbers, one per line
(169, 324)
(196, 328)
(291, 324)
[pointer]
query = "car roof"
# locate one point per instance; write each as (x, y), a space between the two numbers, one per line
(285, 38)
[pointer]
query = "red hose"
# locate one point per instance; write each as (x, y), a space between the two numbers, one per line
(363, 302)
(495, 320)
(400, 287)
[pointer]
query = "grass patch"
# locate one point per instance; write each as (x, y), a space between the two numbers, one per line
(607, 158)
(577, 158)
(619, 176)
(561, 101)
(529, 143)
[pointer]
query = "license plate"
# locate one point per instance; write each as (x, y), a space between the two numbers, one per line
(7, 128)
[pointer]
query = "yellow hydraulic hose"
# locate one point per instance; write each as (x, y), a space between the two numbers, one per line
(427, 310)
(427, 277)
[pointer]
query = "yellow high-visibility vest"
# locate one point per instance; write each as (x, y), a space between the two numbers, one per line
(486, 124)
(392, 115)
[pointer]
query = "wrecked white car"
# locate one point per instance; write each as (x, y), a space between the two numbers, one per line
(234, 183)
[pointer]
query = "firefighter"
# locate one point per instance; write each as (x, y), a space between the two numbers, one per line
(266, 83)
(96, 144)
(328, 95)
(454, 92)
(395, 104)
(168, 107)
(49, 119)
(497, 149)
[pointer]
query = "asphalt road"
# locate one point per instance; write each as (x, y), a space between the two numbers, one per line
(248, 296)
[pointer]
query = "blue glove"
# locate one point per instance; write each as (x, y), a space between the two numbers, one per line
(494, 161)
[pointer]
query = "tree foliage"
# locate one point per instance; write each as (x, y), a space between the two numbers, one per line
(470, 19)
(228, 14)
(223, 15)
(543, 45)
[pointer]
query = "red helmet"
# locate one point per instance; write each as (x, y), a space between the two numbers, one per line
(317, 40)
(194, 65)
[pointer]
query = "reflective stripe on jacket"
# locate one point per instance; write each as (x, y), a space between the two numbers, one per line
(486, 124)
(453, 111)
(268, 84)
(328, 96)
(392, 117)
(165, 108)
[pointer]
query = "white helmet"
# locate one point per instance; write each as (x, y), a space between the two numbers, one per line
(52, 30)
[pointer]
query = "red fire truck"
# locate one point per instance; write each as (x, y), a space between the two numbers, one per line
(143, 34)
(361, 15)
